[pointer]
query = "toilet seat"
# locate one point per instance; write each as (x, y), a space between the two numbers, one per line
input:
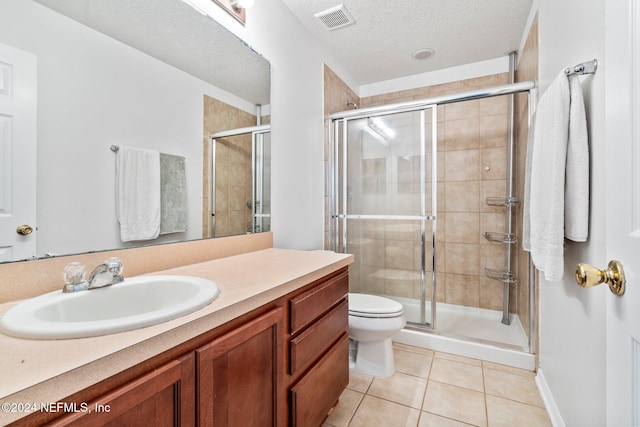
(373, 306)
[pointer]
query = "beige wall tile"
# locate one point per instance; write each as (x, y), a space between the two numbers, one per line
(462, 134)
(493, 131)
(462, 228)
(495, 159)
(463, 289)
(491, 293)
(462, 165)
(463, 258)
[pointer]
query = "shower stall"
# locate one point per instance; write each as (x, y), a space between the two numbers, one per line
(240, 200)
(430, 217)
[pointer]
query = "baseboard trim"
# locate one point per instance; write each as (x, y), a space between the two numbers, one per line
(548, 400)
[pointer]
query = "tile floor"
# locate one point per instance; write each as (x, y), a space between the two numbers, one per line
(441, 390)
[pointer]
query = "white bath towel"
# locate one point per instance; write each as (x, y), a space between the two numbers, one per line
(138, 193)
(576, 198)
(557, 176)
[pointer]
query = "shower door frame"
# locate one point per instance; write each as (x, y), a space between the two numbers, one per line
(344, 116)
(339, 243)
(257, 173)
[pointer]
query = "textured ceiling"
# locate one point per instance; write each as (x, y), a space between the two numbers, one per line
(175, 33)
(379, 46)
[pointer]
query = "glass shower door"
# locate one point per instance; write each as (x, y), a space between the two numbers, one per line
(240, 200)
(383, 206)
(261, 199)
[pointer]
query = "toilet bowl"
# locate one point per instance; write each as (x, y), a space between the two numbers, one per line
(373, 320)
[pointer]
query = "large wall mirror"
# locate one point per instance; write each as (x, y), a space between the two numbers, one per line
(151, 74)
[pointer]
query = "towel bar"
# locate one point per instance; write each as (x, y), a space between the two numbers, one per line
(589, 67)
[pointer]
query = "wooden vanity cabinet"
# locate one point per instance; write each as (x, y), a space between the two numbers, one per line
(239, 376)
(162, 397)
(318, 350)
(283, 364)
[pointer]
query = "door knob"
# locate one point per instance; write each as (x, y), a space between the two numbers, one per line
(24, 229)
(588, 275)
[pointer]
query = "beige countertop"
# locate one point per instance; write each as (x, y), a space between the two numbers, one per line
(35, 371)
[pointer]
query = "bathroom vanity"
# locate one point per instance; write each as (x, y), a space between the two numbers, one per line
(272, 350)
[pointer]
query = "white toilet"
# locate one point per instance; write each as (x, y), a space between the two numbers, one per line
(373, 320)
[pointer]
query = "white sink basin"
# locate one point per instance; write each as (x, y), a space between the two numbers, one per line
(135, 303)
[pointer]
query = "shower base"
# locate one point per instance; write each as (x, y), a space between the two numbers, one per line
(470, 332)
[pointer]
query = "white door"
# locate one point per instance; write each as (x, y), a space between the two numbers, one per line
(17, 154)
(622, 70)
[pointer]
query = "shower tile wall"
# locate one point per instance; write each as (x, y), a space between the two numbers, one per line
(472, 140)
(233, 177)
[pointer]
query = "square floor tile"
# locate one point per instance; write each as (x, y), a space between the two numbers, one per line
(510, 386)
(359, 382)
(344, 410)
(400, 388)
(457, 403)
(508, 413)
(457, 373)
(411, 363)
(378, 412)
(432, 420)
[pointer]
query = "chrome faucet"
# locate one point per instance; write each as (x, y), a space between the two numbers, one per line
(106, 274)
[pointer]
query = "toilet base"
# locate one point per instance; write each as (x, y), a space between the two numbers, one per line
(374, 358)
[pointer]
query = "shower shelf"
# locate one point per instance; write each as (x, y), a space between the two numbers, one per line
(509, 202)
(508, 238)
(501, 275)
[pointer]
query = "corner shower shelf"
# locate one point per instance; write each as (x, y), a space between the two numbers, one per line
(500, 275)
(509, 202)
(508, 238)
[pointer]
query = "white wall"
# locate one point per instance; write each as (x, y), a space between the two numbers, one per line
(93, 92)
(572, 320)
(297, 119)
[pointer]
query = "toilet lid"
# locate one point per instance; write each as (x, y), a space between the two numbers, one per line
(365, 305)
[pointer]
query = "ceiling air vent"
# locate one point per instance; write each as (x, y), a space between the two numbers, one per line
(335, 17)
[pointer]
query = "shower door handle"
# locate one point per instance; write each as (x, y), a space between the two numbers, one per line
(588, 276)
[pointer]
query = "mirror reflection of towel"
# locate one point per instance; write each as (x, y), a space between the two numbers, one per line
(173, 194)
(138, 193)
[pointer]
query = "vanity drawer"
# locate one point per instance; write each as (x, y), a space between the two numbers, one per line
(317, 392)
(313, 341)
(310, 305)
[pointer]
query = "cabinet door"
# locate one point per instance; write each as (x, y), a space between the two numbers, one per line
(240, 375)
(163, 397)
(318, 391)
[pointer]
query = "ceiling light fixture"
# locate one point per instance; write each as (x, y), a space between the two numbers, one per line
(423, 53)
(238, 5)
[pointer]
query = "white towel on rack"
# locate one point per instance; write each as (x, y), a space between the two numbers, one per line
(138, 193)
(576, 198)
(557, 176)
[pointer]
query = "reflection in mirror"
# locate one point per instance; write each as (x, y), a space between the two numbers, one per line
(241, 166)
(114, 72)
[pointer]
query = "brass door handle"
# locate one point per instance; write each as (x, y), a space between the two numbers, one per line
(24, 229)
(588, 275)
